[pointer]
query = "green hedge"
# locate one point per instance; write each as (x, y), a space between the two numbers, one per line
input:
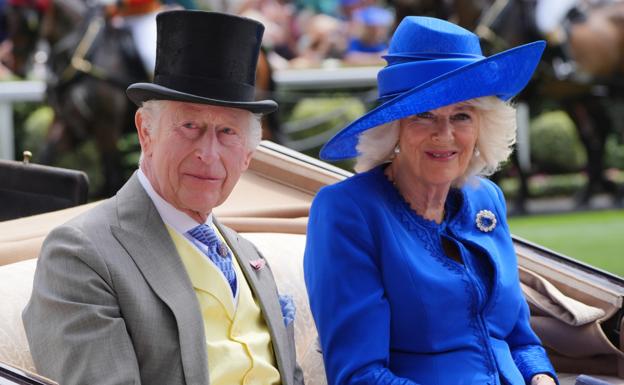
(348, 109)
(555, 146)
(615, 152)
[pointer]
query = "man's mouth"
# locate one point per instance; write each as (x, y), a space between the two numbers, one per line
(204, 177)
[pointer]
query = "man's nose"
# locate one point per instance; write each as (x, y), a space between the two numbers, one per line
(207, 147)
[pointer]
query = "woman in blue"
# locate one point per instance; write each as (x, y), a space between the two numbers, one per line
(409, 264)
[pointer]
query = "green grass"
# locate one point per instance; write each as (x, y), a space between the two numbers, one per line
(595, 237)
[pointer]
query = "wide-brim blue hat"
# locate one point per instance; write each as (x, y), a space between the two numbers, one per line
(433, 63)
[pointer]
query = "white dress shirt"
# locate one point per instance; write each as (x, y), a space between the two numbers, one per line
(180, 222)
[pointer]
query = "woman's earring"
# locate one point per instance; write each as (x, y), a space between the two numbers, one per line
(477, 153)
(397, 149)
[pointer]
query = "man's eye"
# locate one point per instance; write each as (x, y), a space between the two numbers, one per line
(228, 131)
(189, 125)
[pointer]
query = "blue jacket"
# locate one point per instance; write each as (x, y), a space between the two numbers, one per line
(392, 308)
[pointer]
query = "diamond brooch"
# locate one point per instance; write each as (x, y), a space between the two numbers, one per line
(486, 221)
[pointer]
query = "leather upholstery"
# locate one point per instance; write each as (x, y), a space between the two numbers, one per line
(284, 253)
(29, 189)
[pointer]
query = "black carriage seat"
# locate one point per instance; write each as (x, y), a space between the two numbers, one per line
(28, 189)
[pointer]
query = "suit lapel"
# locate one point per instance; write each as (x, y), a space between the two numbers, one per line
(144, 235)
(263, 287)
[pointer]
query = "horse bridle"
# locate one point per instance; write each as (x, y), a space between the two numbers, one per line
(79, 63)
(484, 28)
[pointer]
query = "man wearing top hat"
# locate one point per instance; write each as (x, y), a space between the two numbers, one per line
(148, 287)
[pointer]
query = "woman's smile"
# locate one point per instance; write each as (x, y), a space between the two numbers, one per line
(441, 155)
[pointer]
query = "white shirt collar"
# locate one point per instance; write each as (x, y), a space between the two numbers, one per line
(177, 219)
(173, 217)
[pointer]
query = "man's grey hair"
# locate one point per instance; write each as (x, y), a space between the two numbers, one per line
(151, 110)
(497, 135)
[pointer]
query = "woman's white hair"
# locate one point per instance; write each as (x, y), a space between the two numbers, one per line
(151, 109)
(497, 135)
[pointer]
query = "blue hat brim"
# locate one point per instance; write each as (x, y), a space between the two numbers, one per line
(503, 75)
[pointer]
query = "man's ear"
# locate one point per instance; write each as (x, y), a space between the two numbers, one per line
(247, 160)
(145, 136)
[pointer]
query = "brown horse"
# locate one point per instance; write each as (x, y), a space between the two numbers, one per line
(597, 43)
(509, 23)
(90, 64)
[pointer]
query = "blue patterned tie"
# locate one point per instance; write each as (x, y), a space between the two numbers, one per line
(218, 252)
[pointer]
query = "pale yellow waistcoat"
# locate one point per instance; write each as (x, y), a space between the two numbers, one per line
(237, 338)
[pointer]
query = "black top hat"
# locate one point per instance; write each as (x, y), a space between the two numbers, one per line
(205, 57)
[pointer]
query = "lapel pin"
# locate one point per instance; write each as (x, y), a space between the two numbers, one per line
(257, 264)
(486, 221)
(222, 250)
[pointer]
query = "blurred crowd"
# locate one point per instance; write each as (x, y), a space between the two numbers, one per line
(299, 33)
(580, 74)
(322, 33)
(317, 33)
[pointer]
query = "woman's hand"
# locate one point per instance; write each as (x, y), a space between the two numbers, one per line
(542, 379)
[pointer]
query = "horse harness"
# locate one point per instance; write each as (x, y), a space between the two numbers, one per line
(80, 61)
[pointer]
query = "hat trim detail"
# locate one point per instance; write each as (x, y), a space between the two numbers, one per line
(405, 76)
(142, 92)
(395, 58)
(211, 88)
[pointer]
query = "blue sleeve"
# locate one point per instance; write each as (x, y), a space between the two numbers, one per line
(346, 293)
(526, 348)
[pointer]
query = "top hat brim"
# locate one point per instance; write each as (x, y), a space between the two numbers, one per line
(503, 75)
(141, 92)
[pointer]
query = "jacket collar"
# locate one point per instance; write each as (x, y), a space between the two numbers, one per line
(143, 234)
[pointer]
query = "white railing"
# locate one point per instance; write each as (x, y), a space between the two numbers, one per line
(11, 92)
(326, 78)
(286, 80)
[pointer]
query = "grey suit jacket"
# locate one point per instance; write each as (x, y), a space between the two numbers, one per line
(112, 302)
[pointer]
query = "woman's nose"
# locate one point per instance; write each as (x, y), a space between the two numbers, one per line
(443, 131)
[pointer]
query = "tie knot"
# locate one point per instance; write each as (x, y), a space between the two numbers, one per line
(205, 234)
(217, 251)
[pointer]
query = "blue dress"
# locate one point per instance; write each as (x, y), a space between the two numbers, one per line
(392, 308)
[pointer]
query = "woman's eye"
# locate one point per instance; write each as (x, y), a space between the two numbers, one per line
(424, 115)
(462, 117)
